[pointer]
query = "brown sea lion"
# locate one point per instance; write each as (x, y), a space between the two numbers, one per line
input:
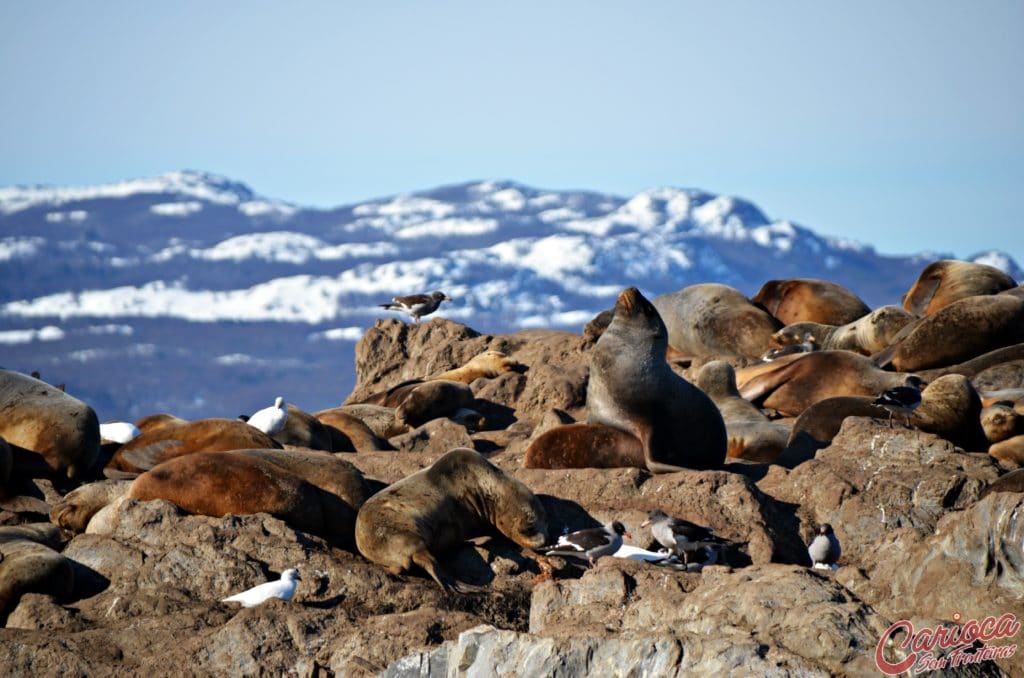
(432, 400)
(460, 496)
(302, 429)
(1009, 453)
(943, 282)
(633, 389)
(950, 407)
(204, 435)
(584, 446)
(352, 434)
(487, 365)
(957, 332)
(218, 483)
(47, 429)
(1015, 396)
(797, 384)
(28, 566)
(379, 419)
(153, 422)
(1010, 482)
(795, 300)
(975, 368)
(867, 335)
(817, 425)
(75, 509)
(751, 435)
(1001, 421)
(715, 320)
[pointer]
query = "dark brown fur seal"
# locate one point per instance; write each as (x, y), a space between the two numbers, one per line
(633, 389)
(47, 429)
(716, 321)
(867, 335)
(585, 446)
(352, 434)
(205, 435)
(795, 300)
(751, 435)
(460, 496)
(218, 483)
(962, 330)
(797, 384)
(943, 282)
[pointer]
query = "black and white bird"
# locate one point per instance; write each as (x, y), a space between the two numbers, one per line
(591, 543)
(417, 305)
(283, 588)
(902, 399)
(270, 420)
(681, 537)
(824, 549)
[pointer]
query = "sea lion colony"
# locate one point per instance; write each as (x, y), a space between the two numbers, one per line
(673, 386)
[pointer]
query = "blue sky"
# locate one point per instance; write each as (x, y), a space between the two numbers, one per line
(899, 124)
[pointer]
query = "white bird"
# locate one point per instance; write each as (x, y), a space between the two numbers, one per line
(824, 549)
(283, 588)
(119, 431)
(271, 420)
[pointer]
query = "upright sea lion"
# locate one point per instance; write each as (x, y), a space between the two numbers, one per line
(487, 365)
(957, 332)
(714, 320)
(943, 282)
(751, 435)
(795, 300)
(47, 429)
(460, 496)
(633, 389)
(797, 384)
(867, 335)
(205, 435)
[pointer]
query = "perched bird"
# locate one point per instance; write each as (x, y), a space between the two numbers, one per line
(824, 548)
(417, 305)
(591, 544)
(271, 420)
(902, 399)
(681, 537)
(283, 588)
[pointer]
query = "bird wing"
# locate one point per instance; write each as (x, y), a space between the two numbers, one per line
(411, 299)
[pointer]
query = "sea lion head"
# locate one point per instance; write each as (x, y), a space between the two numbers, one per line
(718, 379)
(634, 311)
(523, 519)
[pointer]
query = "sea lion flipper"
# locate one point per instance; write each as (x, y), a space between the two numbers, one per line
(437, 572)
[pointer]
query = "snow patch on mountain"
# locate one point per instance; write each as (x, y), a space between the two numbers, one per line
(281, 246)
(441, 228)
(176, 209)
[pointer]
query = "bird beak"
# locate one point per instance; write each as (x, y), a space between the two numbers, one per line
(629, 535)
(645, 524)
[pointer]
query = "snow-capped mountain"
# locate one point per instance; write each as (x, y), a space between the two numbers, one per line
(189, 293)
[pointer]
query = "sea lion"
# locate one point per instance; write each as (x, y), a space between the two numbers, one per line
(976, 367)
(633, 389)
(715, 320)
(584, 446)
(302, 429)
(950, 407)
(379, 419)
(75, 509)
(487, 365)
(349, 433)
(795, 300)
(1010, 482)
(750, 434)
(1001, 421)
(28, 566)
(867, 335)
(957, 332)
(47, 429)
(817, 425)
(153, 422)
(797, 384)
(1014, 396)
(218, 483)
(1009, 453)
(206, 435)
(943, 282)
(432, 400)
(460, 496)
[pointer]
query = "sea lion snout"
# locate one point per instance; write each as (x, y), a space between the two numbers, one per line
(628, 300)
